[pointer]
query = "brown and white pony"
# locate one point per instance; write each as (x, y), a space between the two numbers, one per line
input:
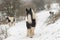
(10, 20)
(30, 22)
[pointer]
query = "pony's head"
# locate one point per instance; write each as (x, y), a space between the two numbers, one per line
(29, 15)
(51, 13)
(29, 11)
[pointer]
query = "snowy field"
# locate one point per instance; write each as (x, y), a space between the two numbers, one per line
(42, 31)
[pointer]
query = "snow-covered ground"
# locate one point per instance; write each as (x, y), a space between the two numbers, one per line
(42, 31)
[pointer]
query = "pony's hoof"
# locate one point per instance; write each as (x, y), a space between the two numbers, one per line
(31, 37)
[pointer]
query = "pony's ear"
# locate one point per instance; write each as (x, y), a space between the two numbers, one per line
(30, 9)
(26, 9)
(50, 12)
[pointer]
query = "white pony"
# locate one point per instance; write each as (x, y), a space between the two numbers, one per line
(10, 21)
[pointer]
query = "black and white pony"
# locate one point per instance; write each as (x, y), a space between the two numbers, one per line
(30, 22)
(10, 20)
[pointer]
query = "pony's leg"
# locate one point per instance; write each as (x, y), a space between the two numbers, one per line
(28, 32)
(9, 24)
(13, 23)
(32, 31)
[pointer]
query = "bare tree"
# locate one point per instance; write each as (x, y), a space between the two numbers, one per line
(10, 6)
(39, 4)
